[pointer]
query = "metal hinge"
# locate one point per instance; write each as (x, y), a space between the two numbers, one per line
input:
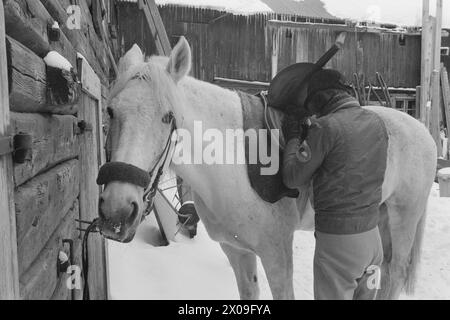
(19, 145)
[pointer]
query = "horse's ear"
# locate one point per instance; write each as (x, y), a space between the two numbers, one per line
(180, 60)
(131, 58)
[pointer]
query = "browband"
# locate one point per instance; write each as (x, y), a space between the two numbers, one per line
(123, 172)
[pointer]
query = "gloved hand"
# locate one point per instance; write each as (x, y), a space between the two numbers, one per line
(292, 127)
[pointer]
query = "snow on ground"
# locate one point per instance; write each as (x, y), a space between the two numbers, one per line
(197, 269)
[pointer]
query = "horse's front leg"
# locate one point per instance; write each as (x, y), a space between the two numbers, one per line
(277, 260)
(245, 269)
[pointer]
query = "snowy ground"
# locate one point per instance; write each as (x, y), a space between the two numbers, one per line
(197, 269)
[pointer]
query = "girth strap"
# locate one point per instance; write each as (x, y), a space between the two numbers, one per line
(123, 172)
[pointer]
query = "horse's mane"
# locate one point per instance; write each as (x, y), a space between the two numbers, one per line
(145, 70)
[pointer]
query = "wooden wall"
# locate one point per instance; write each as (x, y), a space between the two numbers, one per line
(365, 52)
(240, 47)
(56, 185)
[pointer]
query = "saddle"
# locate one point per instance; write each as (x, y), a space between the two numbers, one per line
(267, 111)
(269, 187)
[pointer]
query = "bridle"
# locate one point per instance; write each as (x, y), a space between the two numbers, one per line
(117, 171)
(150, 192)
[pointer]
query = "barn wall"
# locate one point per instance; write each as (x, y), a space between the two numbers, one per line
(49, 186)
(365, 52)
(240, 47)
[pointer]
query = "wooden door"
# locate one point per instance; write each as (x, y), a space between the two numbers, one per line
(91, 158)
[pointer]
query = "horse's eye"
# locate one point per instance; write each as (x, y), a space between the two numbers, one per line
(110, 112)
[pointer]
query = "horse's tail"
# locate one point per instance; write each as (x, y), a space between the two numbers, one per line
(415, 255)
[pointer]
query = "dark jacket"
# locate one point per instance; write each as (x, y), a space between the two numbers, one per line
(348, 162)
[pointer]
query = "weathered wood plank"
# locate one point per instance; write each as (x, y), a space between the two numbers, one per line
(41, 280)
(40, 205)
(9, 276)
(54, 141)
(28, 91)
(28, 80)
(90, 82)
(90, 159)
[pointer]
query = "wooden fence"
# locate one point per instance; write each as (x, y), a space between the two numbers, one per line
(240, 47)
(56, 184)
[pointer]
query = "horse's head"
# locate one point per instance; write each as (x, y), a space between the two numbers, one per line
(141, 111)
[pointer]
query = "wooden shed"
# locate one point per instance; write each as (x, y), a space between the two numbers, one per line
(52, 186)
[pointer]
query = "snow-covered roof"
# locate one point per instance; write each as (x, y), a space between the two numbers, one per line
(306, 8)
(235, 6)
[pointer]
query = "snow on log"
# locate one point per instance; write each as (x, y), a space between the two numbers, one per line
(34, 87)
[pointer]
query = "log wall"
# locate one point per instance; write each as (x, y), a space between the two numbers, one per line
(48, 187)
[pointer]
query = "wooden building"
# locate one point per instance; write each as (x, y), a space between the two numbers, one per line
(43, 196)
(240, 47)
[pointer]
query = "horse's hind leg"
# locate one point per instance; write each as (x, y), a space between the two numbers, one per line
(405, 223)
(276, 257)
(245, 269)
(385, 233)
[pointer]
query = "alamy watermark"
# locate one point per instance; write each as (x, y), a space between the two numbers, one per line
(74, 20)
(228, 147)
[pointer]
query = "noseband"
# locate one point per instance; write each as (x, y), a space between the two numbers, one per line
(124, 172)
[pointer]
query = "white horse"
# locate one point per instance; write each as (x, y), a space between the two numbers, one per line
(232, 212)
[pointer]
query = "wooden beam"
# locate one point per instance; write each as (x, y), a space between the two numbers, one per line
(28, 82)
(156, 26)
(435, 110)
(437, 37)
(418, 99)
(446, 104)
(435, 78)
(275, 52)
(9, 275)
(427, 59)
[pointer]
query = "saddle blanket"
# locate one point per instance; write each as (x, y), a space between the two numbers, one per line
(269, 187)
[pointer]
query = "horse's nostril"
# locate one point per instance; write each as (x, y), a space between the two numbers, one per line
(134, 211)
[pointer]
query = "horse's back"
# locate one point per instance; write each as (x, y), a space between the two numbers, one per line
(412, 154)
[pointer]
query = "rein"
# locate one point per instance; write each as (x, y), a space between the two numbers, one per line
(117, 171)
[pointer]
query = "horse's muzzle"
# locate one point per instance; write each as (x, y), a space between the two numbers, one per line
(120, 225)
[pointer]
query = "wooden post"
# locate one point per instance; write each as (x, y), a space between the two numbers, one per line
(446, 105)
(427, 59)
(444, 182)
(9, 274)
(436, 110)
(156, 26)
(418, 99)
(275, 50)
(435, 83)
